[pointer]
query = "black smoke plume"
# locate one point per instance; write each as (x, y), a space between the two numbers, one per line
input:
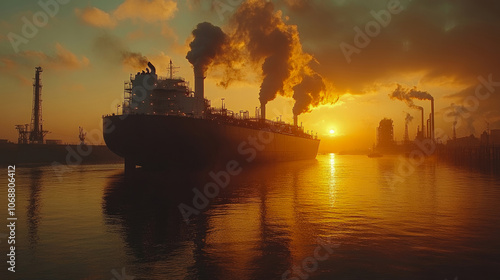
(258, 37)
(209, 43)
(408, 95)
(308, 93)
(408, 118)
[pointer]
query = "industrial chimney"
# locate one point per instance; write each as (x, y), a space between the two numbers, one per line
(406, 136)
(295, 120)
(199, 89)
(422, 127)
(429, 126)
(263, 111)
(432, 120)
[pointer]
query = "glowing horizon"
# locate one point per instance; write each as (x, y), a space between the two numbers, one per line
(89, 49)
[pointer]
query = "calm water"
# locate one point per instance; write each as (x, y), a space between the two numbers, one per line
(339, 217)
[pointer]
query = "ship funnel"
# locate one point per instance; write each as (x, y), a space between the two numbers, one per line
(262, 111)
(199, 90)
(199, 83)
(153, 69)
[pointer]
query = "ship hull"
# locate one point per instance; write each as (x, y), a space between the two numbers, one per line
(163, 141)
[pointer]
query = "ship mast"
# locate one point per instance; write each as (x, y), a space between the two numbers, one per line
(171, 70)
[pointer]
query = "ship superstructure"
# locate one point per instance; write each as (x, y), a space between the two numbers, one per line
(149, 94)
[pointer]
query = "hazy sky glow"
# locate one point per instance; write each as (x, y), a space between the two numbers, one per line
(89, 48)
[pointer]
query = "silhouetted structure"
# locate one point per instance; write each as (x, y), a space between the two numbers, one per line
(182, 130)
(478, 152)
(385, 134)
(36, 133)
(81, 135)
(406, 136)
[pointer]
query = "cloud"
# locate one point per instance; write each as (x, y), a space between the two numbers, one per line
(469, 109)
(96, 17)
(112, 49)
(145, 10)
(10, 67)
(429, 40)
(62, 59)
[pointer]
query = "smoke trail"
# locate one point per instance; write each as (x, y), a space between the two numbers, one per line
(309, 92)
(257, 36)
(276, 68)
(208, 44)
(286, 67)
(134, 59)
(461, 114)
(266, 38)
(408, 118)
(407, 95)
(112, 49)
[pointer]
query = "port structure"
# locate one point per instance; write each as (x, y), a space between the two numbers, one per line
(34, 133)
(82, 135)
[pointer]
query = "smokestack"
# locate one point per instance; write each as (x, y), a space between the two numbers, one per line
(153, 69)
(432, 119)
(407, 95)
(208, 43)
(263, 111)
(295, 120)
(429, 127)
(406, 136)
(422, 127)
(199, 83)
(199, 89)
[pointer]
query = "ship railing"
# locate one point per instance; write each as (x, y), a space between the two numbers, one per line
(227, 116)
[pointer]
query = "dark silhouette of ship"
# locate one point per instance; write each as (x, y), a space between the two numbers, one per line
(164, 124)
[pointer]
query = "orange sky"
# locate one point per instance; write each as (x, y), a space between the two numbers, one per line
(89, 48)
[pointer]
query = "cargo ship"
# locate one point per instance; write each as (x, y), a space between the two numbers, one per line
(164, 124)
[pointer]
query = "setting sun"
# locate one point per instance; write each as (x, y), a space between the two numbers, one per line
(332, 131)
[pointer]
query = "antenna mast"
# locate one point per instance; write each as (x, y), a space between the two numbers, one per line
(171, 69)
(82, 135)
